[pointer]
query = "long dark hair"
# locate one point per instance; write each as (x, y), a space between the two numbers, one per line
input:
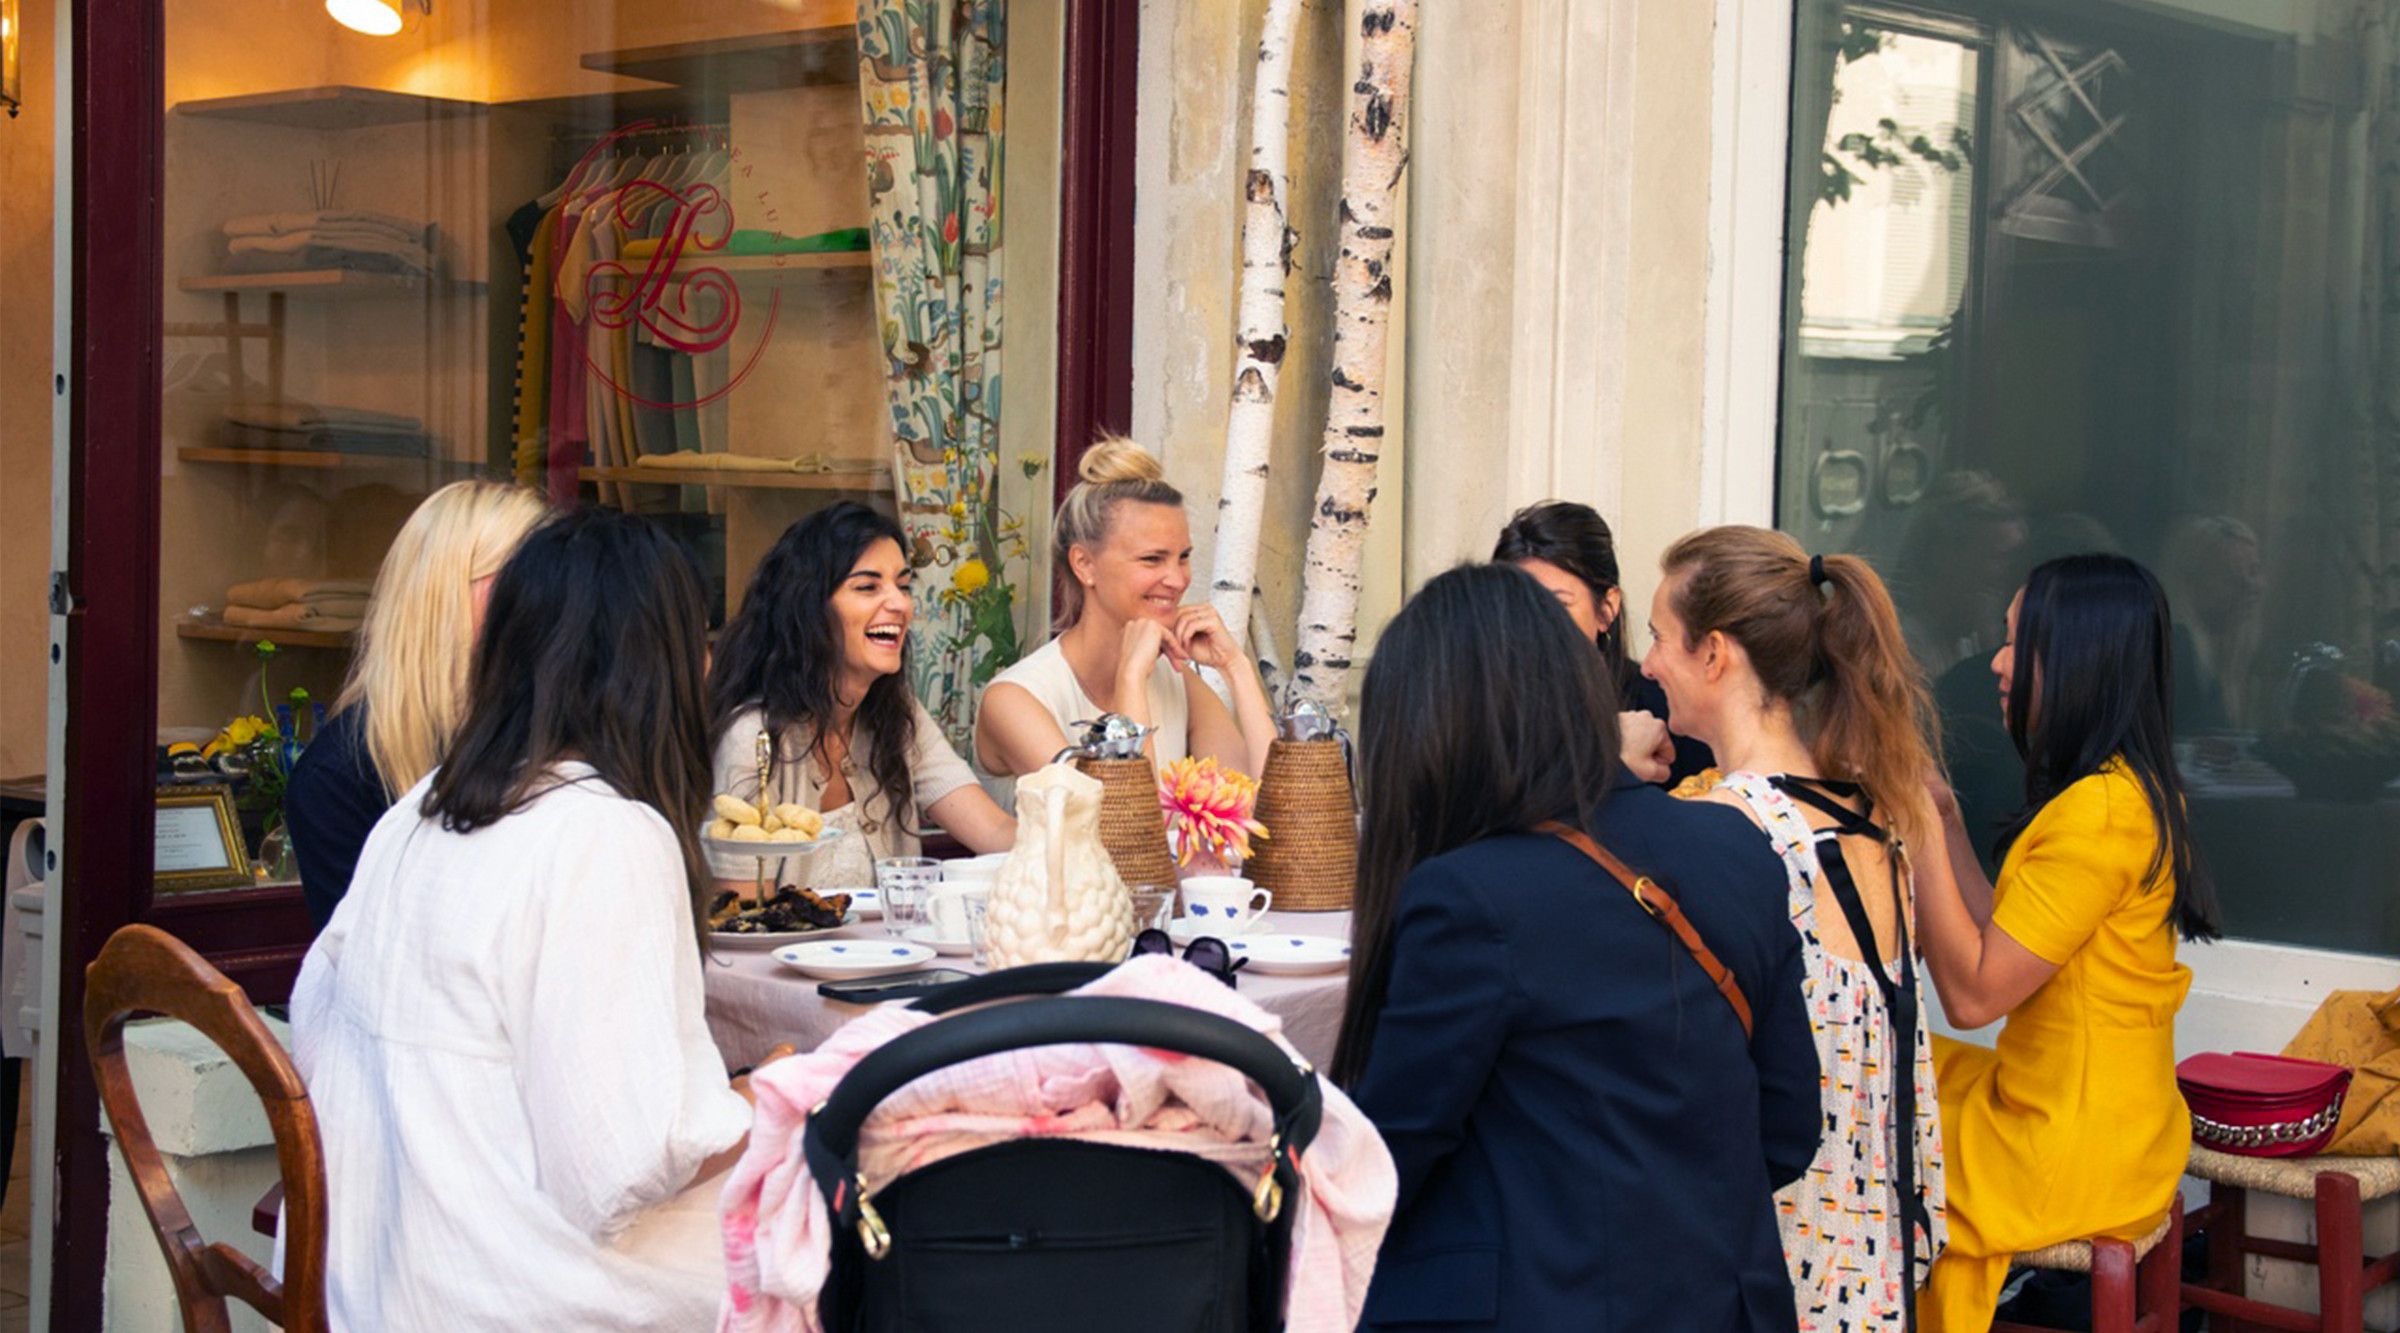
(1484, 713)
(591, 650)
(2095, 682)
(1576, 539)
(783, 653)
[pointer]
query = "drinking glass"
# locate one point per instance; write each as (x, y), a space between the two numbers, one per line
(904, 883)
(1153, 906)
(979, 907)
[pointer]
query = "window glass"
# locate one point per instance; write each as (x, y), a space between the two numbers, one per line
(2121, 277)
(718, 263)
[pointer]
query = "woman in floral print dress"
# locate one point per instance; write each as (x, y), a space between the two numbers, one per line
(1794, 671)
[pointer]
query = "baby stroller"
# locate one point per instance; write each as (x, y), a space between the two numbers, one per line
(1039, 1234)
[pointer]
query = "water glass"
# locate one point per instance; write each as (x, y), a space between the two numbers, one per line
(905, 883)
(1153, 906)
(979, 907)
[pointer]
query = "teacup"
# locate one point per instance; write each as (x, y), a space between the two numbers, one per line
(973, 867)
(1226, 904)
(946, 906)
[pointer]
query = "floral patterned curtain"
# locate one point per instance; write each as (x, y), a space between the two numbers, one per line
(931, 76)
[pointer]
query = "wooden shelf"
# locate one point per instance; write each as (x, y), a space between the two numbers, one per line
(862, 261)
(330, 107)
(330, 283)
(326, 460)
(214, 632)
(759, 62)
(868, 480)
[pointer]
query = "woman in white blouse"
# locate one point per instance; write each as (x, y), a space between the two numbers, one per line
(1126, 643)
(501, 1028)
(815, 662)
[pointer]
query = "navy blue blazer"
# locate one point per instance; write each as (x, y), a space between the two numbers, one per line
(1583, 1137)
(331, 805)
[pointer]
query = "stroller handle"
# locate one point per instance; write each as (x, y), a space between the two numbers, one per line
(831, 1139)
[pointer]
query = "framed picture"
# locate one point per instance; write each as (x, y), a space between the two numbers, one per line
(198, 844)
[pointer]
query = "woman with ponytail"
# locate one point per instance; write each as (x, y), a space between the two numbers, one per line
(2071, 1124)
(1126, 642)
(1792, 668)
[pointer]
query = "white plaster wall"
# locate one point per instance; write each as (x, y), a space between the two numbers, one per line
(1561, 272)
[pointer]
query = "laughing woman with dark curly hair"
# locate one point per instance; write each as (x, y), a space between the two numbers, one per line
(816, 663)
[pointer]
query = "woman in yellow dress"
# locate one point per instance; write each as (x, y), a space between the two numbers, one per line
(2071, 1126)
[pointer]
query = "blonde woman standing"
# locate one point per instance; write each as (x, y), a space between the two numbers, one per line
(1126, 642)
(407, 691)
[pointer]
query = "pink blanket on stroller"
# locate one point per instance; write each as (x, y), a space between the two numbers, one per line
(778, 1230)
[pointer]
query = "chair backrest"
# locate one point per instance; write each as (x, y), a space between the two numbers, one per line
(143, 970)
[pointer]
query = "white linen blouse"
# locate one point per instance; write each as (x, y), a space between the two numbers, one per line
(502, 1035)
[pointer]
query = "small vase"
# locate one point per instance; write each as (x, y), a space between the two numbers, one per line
(275, 861)
(1204, 862)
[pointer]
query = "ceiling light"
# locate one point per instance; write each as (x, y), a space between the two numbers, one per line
(375, 18)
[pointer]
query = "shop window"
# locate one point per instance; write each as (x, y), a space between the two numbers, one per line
(718, 263)
(2122, 277)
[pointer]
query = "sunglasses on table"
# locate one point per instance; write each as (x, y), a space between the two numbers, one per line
(1208, 953)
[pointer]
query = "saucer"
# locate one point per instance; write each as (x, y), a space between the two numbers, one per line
(1184, 929)
(924, 937)
(1275, 954)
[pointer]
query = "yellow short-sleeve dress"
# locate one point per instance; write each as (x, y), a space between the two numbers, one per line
(2072, 1125)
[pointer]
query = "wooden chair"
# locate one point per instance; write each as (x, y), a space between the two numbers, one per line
(2338, 1188)
(143, 970)
(2135, 1283)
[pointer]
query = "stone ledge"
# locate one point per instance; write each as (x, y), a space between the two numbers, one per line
(193, 1095)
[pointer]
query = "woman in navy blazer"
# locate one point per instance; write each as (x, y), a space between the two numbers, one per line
(1585, 1139)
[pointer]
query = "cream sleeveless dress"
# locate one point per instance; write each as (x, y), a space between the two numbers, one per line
(1841, 1234)
(1047, 676)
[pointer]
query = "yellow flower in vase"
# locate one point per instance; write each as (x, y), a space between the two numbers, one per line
(971, 577)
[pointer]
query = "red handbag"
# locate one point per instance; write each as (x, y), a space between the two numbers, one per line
(2262, 1105)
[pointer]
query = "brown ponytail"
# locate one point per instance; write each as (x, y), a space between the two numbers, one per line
(1824, 639)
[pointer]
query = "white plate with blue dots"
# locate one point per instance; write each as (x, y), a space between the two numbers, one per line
(841, 959)
(1273, 953)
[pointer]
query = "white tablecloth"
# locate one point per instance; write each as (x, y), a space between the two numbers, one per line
(754, 1003)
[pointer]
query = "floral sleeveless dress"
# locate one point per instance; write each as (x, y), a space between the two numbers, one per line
(1841, 1230)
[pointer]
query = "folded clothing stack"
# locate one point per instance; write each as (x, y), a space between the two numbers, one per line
(346, 239)
(699, 462)
(333, 606)
(349, 430)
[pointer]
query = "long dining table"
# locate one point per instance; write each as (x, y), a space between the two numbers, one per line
(756, 1003)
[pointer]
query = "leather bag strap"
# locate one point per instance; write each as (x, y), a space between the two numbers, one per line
(1661, 905)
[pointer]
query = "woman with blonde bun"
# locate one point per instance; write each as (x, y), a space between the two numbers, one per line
(407, 692)
(1125, 641)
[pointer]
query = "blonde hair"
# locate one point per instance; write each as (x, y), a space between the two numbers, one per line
(419, 637)
(1112, 470)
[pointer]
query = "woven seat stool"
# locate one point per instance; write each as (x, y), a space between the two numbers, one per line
(2134, 1282)
(2338, 1187)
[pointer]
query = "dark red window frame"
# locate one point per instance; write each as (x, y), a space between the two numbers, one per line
(113, 378)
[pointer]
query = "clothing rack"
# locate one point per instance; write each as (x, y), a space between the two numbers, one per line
(569, 146)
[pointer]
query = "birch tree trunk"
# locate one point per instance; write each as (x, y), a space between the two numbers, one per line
(1373, 154)
(1266, 259)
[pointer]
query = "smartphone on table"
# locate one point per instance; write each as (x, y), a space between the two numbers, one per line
(894, 986)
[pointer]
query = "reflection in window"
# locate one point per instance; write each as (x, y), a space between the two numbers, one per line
(2121, 281)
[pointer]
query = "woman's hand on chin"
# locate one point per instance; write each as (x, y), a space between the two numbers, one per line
(1145, 641)
(1201, 635)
